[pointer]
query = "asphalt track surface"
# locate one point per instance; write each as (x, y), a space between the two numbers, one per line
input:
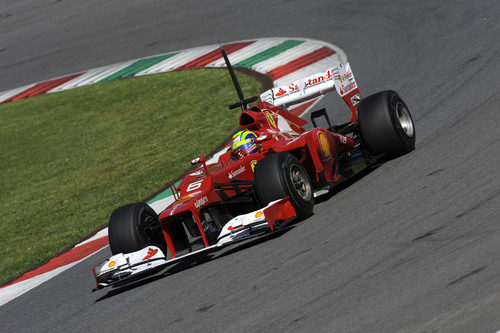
(413, 245)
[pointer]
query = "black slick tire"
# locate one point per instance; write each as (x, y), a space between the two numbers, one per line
(385, 124)
(133, 227)
(281, 175)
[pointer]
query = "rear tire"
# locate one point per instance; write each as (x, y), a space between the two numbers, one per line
(133, 227)
(385, 124)
(281, 175)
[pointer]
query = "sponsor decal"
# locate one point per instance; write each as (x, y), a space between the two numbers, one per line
(259, 214)
(325, 146)
(355, 99)
(343, 139)
(151, 253)
(319, 79)
(271, 119)
(348, 88)
(236, 172)
(280, 92)
(252, 165)
(344, 80)
(345, 77)
(295, 86)
(200, 202)
(112, 264)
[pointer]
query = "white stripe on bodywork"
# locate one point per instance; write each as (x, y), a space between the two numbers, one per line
(216, 156)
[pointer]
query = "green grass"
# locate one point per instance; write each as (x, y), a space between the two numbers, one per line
(69, 159)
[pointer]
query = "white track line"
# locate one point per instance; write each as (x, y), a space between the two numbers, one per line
(177, 60)
(11, 292)
(9, 93)
(90, 77)
(246, 52)
(287, 56)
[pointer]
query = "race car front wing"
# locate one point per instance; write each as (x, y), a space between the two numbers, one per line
(123, 266)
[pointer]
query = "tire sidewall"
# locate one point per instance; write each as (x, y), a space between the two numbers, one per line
(125, 233)
(297, 199)
(273, 181)
(380, 129)
(394, 99)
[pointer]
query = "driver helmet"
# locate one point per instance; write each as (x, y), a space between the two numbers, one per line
(244, 143)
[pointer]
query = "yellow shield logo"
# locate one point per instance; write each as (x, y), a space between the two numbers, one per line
(271, 119)
(325, 146)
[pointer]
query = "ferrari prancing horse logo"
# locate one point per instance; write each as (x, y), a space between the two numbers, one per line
(270, 118)
(252, 164)
(151, 253)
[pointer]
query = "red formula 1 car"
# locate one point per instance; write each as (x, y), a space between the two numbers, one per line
(262, 188)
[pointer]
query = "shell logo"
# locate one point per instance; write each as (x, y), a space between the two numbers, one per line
(325, 146)
(252, 165)
(259, 214)
(271, 119)
(111, 264)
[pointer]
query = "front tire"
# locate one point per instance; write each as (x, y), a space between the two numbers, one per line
(385, 124)
(133, 227)
(281, 175)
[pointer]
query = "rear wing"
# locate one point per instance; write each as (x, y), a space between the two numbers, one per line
(339, 77)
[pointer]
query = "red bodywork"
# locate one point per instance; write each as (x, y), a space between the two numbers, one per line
(277, 131)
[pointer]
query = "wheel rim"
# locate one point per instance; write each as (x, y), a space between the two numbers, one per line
(146, 227)
(404, 119)
(300, 182)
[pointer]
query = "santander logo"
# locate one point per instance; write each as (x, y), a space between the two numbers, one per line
(236, 172)
(150, 254)
(280, 92)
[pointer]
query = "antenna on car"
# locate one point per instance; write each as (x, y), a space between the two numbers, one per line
(243, 102)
